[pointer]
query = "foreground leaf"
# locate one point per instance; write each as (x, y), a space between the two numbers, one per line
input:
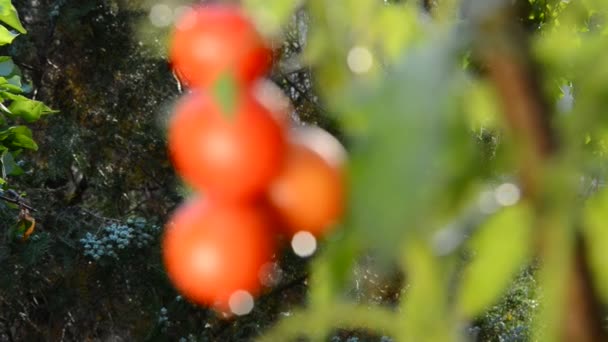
(595, 231)
(30, 110)
(8, 15)
(501, 246)
(6, 36)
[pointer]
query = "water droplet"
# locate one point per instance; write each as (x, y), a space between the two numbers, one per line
(304, 244)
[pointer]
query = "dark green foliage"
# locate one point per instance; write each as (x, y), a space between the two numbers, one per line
(512, 319)
(101, 161)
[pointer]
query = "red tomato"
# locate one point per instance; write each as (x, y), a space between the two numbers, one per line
(211, 250)
(308, 193)
(214, 39)
(229, 156)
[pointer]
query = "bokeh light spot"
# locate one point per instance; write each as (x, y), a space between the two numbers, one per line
(359, 60)
(304, 244)
(241, 302)
(161, 15)
(507, 194)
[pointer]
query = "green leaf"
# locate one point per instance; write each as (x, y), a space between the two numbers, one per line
(11, 88)
(483, 109)
(8, 132)
(333, 268)
(21, 130)
(10, 85)
(501, 247)
(14, 80)
(396, 27)
(7, 66)
(8, 15)
(17, 137)
(27, 88)
(595, 231)
(9, 167)
(271, 15)
(6, 36)
(424, 307)
(30, 110)
(2, 118)
(225, 93)
(21, 140)
(403, 145)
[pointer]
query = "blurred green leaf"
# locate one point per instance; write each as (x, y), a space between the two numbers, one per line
(423, 307)
(395, 27)
(22, 130)
(595, 231)
(8, 15)
(27, 88)
(15, 80)
(400, 151)
(11, 85)
(332, 268)
(501, 246)
(9, 167)
(18, 137)
(5, 134)
(6, 66)
(271, 16)
(554, 276)
(482, 107)
(21, 140)
(6, 36)
(342, 315)
(30, 110)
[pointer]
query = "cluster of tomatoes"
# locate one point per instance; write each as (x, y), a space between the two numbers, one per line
(257, 179)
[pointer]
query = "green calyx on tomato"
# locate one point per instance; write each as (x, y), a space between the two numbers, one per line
(225, 92)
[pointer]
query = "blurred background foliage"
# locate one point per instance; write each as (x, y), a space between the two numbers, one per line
(477, 202)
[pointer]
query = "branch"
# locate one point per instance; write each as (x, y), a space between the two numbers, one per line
(303, 93)
(16, 199)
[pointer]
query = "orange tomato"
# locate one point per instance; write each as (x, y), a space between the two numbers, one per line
(233, 157)
(308, 194)
(211, 40)
(211, 250)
